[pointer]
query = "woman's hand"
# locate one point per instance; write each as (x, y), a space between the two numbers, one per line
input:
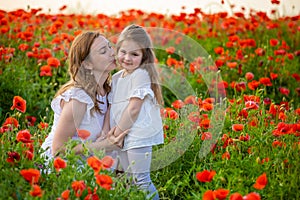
(116, 140)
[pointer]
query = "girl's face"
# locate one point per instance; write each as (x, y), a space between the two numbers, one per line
(102, 56)
(130, 55)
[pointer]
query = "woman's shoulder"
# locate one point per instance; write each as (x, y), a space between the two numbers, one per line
(75, 92)
(78, 94)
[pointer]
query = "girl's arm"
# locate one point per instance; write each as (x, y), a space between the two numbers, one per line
(129, 115)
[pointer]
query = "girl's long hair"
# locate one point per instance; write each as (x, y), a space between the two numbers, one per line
(81, 77)
(140, 36)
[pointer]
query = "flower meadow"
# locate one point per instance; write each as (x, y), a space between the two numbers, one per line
(252, 155)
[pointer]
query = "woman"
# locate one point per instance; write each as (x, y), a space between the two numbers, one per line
(81, 103)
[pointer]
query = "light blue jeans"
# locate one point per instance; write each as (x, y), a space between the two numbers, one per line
(136, 162)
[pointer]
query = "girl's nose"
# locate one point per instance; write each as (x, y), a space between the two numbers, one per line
(127, 57)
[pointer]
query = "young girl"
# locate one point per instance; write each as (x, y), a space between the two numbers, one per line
(134, 105)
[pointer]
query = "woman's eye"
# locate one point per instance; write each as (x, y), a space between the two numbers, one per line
(102, 51)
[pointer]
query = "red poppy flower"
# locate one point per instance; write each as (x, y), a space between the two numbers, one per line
(24, 136)
(43, 125)
(221, 194)
(296, 76)
(171, 62)
(260, 51)
(31, 175)
(13, 157)
(205, 176)
(170, 50)
(273, 76)
(92, 194)
(177, 104)
(36, 191)
(277, 143)
(249, 76)
(226, 155)
(261, 182)
(190, 100)
(205, 123)
(252, 196)
(83, 134)
(273, 42)
(28, 154)
(253, 85)
(231, 65)
(279, 52)
(237, 127)
(251, 105)
(59, 164)
(78, 187)
(65, 194)
(95, 163)
(45, 70)
(107, 162)
(19, 103)
(219, 50)
(53, 62)
(209, 195)
(284, 91)
(170, 113)
(9, 124)
(207, 106)
(206, 136)
(265, 81)
(23, 47)
(236, 196)
(104, 181)
(30, 120)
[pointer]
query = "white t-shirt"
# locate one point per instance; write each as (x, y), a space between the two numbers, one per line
(147, 129)
(92, 121)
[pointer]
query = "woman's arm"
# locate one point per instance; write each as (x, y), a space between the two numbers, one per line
(70, 119)
(129, 115)
(106, 123)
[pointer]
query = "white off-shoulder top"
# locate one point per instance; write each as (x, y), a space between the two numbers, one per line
(92, 121)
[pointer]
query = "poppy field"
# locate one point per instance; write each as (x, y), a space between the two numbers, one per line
(231, 126)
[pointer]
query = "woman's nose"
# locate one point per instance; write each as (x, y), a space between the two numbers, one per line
(112, 52)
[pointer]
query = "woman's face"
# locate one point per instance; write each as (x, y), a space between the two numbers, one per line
(130, 55)
(102, 56)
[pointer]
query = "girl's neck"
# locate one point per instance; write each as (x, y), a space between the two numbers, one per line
(126, 72)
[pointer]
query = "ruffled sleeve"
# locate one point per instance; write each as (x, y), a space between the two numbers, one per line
(141, 85)
(73, 93)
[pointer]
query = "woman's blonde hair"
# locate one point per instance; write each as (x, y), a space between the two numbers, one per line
(81, 77)
(140, 36)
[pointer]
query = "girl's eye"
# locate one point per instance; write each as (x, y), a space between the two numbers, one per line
(135, 54)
